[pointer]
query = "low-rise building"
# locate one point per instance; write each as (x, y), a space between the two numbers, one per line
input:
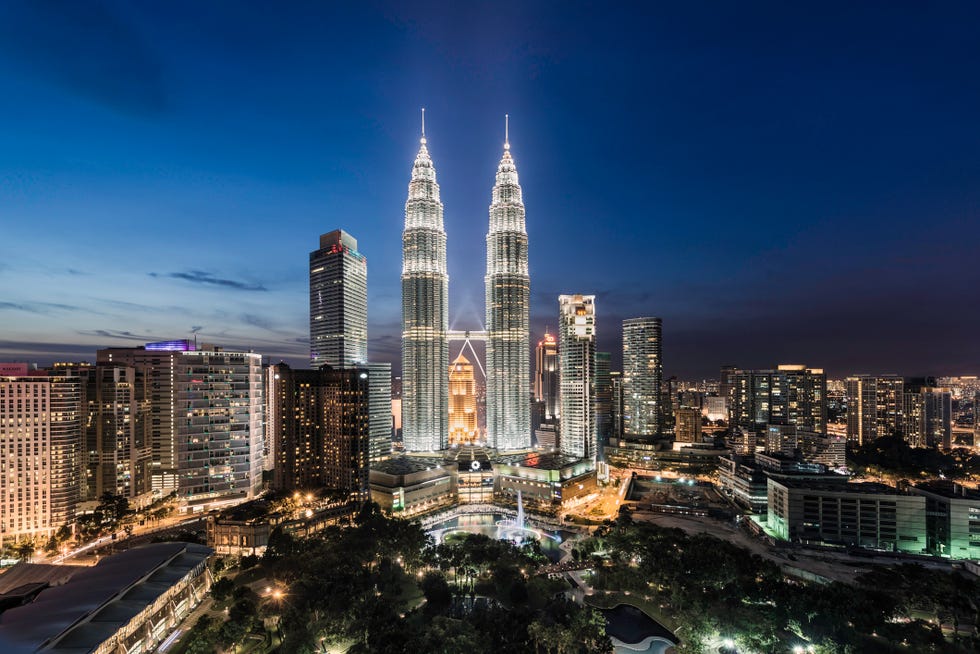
(410, 485)
(869, 515)
(952, 518)
(546, 481)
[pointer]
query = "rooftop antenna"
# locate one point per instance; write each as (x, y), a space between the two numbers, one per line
(506, 131)
(423, 126)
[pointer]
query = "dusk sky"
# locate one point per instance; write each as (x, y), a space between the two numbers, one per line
(779, 182)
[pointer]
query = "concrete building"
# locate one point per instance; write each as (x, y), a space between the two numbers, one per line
(546, 481)
(576, 352)
(128, 603)
(338, 302)
(41, 440)
(869, 515)
(546, 375)
(603, 401)
(874, 407)
(826, 449)
(425, 313)
(508, 302)
(120, 451)
(463, 428)
(642, 378)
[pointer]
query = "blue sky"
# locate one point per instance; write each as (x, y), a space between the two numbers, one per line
(779, 182)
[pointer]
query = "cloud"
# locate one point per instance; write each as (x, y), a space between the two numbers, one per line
(258, 321)
(206, 278)
(120, 334)
(196, 328)
(42, 308)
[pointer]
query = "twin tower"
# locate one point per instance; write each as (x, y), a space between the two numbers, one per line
(425, 313)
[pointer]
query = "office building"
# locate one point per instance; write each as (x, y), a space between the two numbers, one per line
(462, 403)
(952, 518)
(425, 313)
(41, 441)
(508, 301)
(576, 354)
(826, 449)
(874, 407)
(643, 408)
(546, 375)
(616, 392)
(338, 302)
(380, 411)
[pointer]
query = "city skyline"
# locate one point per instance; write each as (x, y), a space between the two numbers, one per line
(830, 178)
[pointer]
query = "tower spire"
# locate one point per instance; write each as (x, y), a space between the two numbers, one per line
(422, 140)
(506, 131)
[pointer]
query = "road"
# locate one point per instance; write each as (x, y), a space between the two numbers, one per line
(138, 536)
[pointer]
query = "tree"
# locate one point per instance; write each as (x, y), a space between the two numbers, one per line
(221, 589)
(436, 591)
(25, 550)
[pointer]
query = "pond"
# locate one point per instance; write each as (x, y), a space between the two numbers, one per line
(500, 526)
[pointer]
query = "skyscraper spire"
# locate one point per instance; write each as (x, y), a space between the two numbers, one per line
(508, 301)
(425, 311)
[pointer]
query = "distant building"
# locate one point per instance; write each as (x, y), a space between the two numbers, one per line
(120, 451)
(616, 390)
(546, 375)
(715, 407)
(603, 400)
(408, 486)
(338, 302)
(576, 351)
(642, 378)
(927, 418)
(827, 449)
(874, 407)
(462, 403)
(781, 439)
(41, 436)
(687, 427)
(790, 395)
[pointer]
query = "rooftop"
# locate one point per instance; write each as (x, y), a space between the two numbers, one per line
(406, 465)
(96, 602)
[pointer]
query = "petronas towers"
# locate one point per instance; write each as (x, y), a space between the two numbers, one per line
(425, 313)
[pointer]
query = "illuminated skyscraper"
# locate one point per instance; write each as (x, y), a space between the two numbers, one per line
(546, 375)
(462, 403)
(643, 375)
(508, 291)
(576, 355)
(425, 312)
(338, 302)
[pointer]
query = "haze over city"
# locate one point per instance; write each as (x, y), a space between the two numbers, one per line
(777, 184)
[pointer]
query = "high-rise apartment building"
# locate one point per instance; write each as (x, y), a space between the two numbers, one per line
(156, 365)
(576, 354)
(508, 301)
(381, 411)
(616, 392)
(874, 407)
(462, 403)
(219, 435)
(546, 375)
(338, 302)
(205, 410)
(425, 313)
(41, 441)
(790, 395)
(643, 375)
(687, 425)
(323, 427)
(927, 416)
(120, 451)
